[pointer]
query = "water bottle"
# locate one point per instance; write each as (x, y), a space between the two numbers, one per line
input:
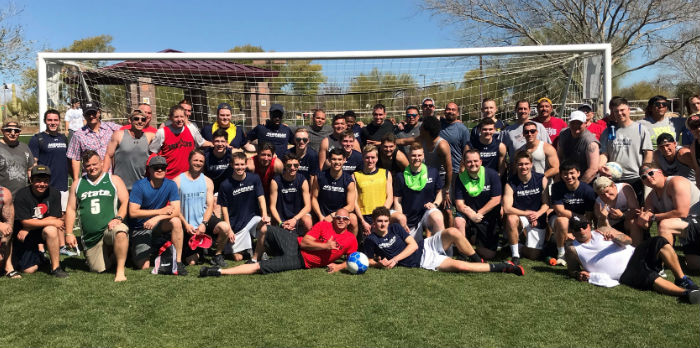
(611, 132)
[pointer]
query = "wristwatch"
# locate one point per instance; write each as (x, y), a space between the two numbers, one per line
(118, 218)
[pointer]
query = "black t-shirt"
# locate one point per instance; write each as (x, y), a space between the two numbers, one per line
(374, 132)
(27, 206)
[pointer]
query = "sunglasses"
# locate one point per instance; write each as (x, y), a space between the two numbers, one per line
(661, 104)
(411, 115)
(429, 106)
(529, 131)
(648, 174)
(159, 168)
(340, 217)
(295, 165)
(138, 119)
(12, 130)
(302, 140)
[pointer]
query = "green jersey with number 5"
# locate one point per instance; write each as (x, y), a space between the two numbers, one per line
(97, 206)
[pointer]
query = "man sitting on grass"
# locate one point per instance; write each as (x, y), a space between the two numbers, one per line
(101, 199)
(605, 257)
(390, 245)
(321, 246)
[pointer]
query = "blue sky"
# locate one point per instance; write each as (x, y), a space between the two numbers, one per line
(216, 26)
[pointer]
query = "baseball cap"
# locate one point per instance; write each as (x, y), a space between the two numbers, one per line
(577, 116)
(226, 106)
(585, 107)
(91, 106)
(664, 138)
(157, 161)
(274, 108)
(40, 170)
(200, 241)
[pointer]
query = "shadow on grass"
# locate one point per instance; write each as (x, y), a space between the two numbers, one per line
(558, 271)
(75, 263)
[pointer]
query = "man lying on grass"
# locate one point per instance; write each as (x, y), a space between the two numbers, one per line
(605, 257)
(392, 245)
(320, 247)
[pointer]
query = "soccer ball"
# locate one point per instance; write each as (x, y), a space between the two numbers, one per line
(615, 170)
(358, 263)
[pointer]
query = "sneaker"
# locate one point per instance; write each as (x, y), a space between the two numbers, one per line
(686, 283)
(210, 271)
(218, 260)
(515, 269)
(561, 262)
(59, 273)
(67, 252)
(515, 261)
(662, 274)
(181, 270)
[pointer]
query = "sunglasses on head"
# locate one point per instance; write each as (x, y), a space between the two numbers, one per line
(302, 140)
(648, 174)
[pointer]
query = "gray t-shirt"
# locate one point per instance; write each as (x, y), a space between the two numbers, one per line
(627, 149)
(317, 135)
(408, 133)
(457, 135)
(670, 125)
(130, 159)
(14, 164)
(513, 137)
(576, 149)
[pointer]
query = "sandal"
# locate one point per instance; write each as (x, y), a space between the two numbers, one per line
(13, 275)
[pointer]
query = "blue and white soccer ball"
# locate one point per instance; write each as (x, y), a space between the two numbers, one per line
(615, 170)
(358, 263)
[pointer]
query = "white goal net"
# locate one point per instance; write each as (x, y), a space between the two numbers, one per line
(333, 81)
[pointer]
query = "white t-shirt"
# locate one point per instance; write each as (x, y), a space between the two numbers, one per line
(74, 117)
(603, 259)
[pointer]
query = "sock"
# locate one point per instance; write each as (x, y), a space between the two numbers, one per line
(474, 258)
(560, 252)
(514, 251)
(498, 267)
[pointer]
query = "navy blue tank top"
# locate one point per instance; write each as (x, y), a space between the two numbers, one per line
(290, 197)
(332, 193)
(528, 195)
(488, 153)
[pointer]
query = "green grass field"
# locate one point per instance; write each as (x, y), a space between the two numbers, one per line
(382, 308)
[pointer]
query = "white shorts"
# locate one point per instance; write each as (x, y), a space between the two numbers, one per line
(64, 200)
(243, 237)
(535, 236)
(423, 222)
(433, 253)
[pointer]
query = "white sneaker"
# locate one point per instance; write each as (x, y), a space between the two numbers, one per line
(67, 252)
(663, 274)
(561, 261)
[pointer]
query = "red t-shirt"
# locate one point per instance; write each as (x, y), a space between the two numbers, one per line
(597, 128)
(149, 129)
(323, 231)
(554, 127)
(176, 150)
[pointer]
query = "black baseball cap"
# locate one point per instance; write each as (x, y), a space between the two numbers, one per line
(91, 106)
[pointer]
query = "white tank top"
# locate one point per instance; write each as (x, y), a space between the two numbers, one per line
(603, 256)
(620, 203)
(539, 160)
(665, 204)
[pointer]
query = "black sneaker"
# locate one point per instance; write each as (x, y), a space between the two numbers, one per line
(686, 283)
(515, 269)
(218, 260)
(181, 270)
(515, 261)
(251, 261)
(59, 273)
(210, 271)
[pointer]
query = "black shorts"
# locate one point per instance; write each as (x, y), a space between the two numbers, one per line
(690, 244)
(26, 253)
(486, 231)
(213, 221)
(644, 265)
(284, 248)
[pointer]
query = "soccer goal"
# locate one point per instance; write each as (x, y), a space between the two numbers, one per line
(333, 81)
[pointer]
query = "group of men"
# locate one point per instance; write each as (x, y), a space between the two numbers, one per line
(410, 193)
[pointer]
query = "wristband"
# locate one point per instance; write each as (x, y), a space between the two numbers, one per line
(118, 218)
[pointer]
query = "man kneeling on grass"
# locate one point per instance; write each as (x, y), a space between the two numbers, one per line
(605, 257)
(392, 245)
(321, 246)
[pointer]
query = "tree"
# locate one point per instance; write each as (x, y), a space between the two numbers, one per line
(652, 29)
(686, 63)
(14, 49)
(392, 90)
(644, 90)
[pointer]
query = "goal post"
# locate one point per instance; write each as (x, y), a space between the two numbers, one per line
(335, 81)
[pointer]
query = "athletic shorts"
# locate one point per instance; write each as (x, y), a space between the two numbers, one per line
(433, 253)
(244, 237)
(417, 231)
(690, 242)
(141, 242)
(644, 266)
(209, 230)
(283, 246)
(101, 256)
(484, 232)
(26, 254)
(534, 236)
